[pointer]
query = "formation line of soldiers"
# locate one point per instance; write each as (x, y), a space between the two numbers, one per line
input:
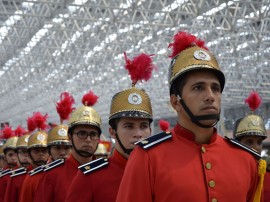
(190, 162)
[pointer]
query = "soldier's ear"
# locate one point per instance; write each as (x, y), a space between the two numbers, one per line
(175, 102)
(112, 133)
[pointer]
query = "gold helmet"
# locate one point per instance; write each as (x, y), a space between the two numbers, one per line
(10, 137)
(11, 143)
(250, 125)
(134, 102)
(101, 151)
(86, 115)
(22, 141)
(23, 137)
(59, 133)
(191, 55)
(39, 138)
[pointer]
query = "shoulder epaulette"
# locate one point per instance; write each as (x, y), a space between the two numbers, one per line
(5, 172)
(53, 164)
(154, 140)
(93, 165)
(36, 170)
(18, 171)
(237, 143)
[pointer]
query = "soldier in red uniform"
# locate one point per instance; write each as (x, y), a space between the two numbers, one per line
(11, 159)
(130, 119)
(17, 176)
(193, 163)
(250, 131)
(38, 155)
(84, 129)
(59, 146)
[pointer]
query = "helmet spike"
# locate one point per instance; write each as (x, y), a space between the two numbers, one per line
(140, 68)
(184, 40)
(64, 106)
(254, 101)
(89, 99)
(164, 125)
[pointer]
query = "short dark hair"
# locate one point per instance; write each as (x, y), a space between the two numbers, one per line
(8, 149)
(178, 85)
(114, 123)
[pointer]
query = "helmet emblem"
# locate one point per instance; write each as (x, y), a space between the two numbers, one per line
(86, 113)
(62, 132)
(202, 55)
(40, 137)
(256, 122)
(26, 139)
(134, 98)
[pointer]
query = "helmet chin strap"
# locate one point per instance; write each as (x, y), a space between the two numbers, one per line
(197, 119)
(127, 151)
(81, 152)
(38, 163)
(11, 165)
(23, 164)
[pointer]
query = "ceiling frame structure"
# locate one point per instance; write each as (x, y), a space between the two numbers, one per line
(51, 46)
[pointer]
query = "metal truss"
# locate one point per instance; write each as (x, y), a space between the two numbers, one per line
(51, 46)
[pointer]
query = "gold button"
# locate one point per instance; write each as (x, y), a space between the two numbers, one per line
(208, 166)
(203, 150)
(214, 200)
(212, 183)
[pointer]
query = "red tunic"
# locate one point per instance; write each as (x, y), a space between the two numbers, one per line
(101, 185)
(14, 187)
(180, 169)
(29, 187)
(3, 185)
(266, 190)
(55, 183)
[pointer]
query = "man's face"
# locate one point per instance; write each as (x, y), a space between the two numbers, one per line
(40, 155)
(254, 142)
(131, 130)
(23, 157)
(60, 151)
(11, 158)
(202, 95)
(88, 144)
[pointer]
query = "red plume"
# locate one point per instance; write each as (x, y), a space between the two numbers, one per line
(254, 100)
(7, 132)
(64, 106)
(184, 40)
(89, 99)
(20, 131)
(164, 125)
(140, 68)
(40, 120)
(31, 125)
